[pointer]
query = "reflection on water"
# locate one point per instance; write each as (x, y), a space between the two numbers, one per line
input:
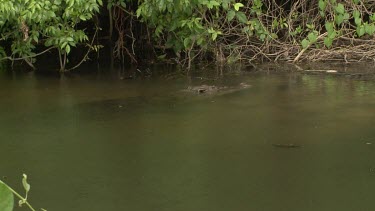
(102, 144)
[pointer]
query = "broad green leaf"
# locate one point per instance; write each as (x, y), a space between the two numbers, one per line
(237, 6)
(200, 41)
(322, 5)
(139, 11)
(305, 43)
(361, 30)
(358, 21)
(211, 4)
(230, 15)
(340, 9)
(356, 14)
(312, 37)
(6, 198)
(328, 42)
(332, 35)
(161, 5)
(187, 42)
(67, 49)
(329, 27)
(241, 17)
(262, 37)
(339, 19)
(63, 45)
(370, 29)
(82, 17)
(214, 3)
(35, 38)
(225, 4)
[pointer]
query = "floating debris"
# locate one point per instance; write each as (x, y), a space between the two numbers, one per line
(331, 71)
(322, 71)
(287, 145)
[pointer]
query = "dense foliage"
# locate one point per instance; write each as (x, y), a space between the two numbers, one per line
(225, 31)
(51, 23)
(264, 29)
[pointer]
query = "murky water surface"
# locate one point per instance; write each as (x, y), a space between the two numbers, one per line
(97, 143)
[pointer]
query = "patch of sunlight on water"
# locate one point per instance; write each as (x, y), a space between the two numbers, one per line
(143, 145)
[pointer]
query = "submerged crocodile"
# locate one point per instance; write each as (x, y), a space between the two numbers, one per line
(212, 89)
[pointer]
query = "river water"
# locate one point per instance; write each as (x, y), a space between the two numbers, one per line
(97, 143)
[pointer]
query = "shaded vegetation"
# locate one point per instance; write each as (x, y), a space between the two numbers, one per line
(182, 31)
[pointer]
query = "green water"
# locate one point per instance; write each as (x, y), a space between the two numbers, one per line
(97, 143)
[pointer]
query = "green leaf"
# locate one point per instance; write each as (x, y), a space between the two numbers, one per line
(329, 27)
(82, 17)
(214, 36)
(328, 42)
(225, 4)
(361, 30)
(312, 37)
(187, 42)
(26, 185)
(262, 37)
(161, 5)
(356, 14)
(123, 4)
(339, 19)
(241, 17)
(230, 15)
(305, 43)
(215, 3)
(139, 11)
(211, 4)
(370, 29)
(200, 41)
(161, 57)
(332, 35)
(67, 49)
(322, 5)
(372, 17)
(358, 21)
(6, 198)
(340, 9)
(237, 6)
